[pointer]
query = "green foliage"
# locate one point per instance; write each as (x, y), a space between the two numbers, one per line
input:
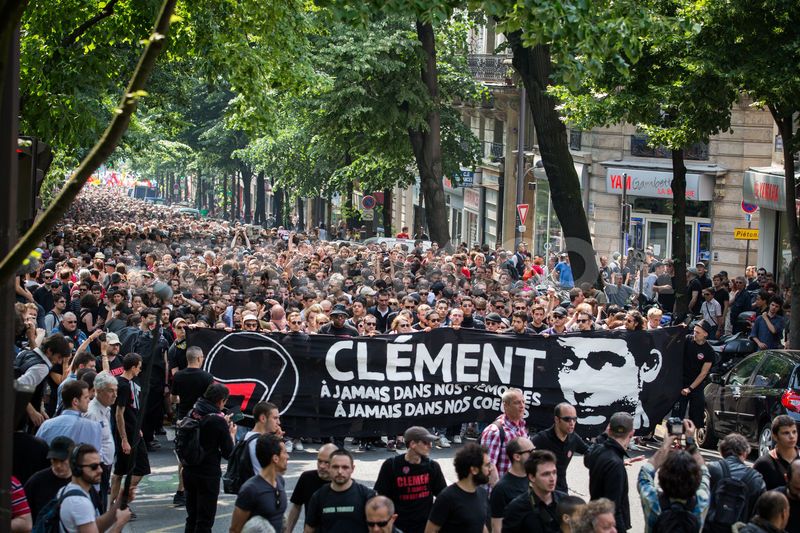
(675, 92)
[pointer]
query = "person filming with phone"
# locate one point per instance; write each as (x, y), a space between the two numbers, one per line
(681, 504)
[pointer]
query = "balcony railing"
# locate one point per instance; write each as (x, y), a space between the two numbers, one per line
(640, 148)
(575, 140)
(493, 151)
(488, 67)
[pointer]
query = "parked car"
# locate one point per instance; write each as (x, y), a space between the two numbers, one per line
(747, 398)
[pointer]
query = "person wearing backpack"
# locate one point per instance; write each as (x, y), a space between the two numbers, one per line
(244, 463)
(684, 480)
(201, 479)
(772, 515)
(264, 494)
(735, 487)
(31, 367)
(412, 480)
(76, 510)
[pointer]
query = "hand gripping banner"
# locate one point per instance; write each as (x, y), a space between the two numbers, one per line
(365, 386)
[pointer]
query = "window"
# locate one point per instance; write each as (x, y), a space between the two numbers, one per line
(741, 373)
(575, 138)
(641, 148)
(774, 373)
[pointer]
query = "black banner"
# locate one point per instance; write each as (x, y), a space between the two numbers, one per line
(334, 386)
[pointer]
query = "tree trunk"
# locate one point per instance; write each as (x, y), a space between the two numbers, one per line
(387, 213)
(785, 122)
(350, 219)
(679, 235)
(427, 144)
(225, 195)
(247, 180)
(198, 193)
(212, 187)
(301, 215)
(277, 199)
(535, 67)
(235, 197)
(260, 216)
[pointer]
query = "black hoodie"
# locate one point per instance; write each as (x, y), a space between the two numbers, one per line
(215, 439)
(607, 477)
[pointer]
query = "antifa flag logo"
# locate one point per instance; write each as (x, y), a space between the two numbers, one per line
(273, 373)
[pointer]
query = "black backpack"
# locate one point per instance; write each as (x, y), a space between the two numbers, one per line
(187, 440)
(676, 517)
(240, 466)
(25, 360)
(728, 502)
(49, 518)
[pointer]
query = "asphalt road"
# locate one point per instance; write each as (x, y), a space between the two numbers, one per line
(156, 514)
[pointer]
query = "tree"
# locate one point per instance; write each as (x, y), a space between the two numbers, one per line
(674, 93)
(759, 44)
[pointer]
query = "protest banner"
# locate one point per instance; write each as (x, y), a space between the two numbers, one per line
(361, 386)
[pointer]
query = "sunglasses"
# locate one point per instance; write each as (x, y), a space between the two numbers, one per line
(403, 325)
(296, 322)
(48, 277)
(382, 523)
(373, 324)
(93, 466)
(569, 418)
(434, 320)
(583, 320)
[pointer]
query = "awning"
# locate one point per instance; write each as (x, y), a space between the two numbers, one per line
(654, 180)
(766, 187)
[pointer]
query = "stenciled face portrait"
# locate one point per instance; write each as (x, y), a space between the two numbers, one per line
(602, 377)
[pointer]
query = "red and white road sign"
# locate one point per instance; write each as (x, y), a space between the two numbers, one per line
(522, 211)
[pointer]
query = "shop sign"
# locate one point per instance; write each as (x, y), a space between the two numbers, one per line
(657, 184)
(764, 190)
(472, 199)
(745, 234)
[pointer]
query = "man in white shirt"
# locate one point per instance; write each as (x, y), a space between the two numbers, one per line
(77, 512)
(268, 421)
(105, 395)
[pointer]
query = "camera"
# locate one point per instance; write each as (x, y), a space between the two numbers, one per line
(675, 426)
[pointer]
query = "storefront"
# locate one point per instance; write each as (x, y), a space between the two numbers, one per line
(454, 200)
(547, 235)
(491, 205)
(650, 195)
(472, 207)
(766, 188)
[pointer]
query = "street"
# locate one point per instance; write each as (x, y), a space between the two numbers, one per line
(156, 514)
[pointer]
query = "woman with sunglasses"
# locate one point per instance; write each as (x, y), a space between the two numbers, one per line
(402, 324)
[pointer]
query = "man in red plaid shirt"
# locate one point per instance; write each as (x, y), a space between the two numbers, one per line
(513, 425)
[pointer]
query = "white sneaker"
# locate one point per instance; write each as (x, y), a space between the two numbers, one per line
(289, 446)
(457, 439)
(298, 445)
(443, 442)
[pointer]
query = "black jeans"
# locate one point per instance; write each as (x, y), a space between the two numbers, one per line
(201, 501)
(695, 401)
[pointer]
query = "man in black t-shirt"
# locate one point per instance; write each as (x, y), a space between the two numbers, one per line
(792, 493)
(536, 509)
(109, 359)
(694, 289)
(339, 506)
(44, 484)
(513, 483)
(128, 448)
(337, 324)
(190, 383)
(412, 480)
(463, 506)
(698, 358)
(309, 482)
(561, 439)
(264, 494)
(774, 466)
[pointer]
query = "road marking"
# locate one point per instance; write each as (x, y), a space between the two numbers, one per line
(183, 524)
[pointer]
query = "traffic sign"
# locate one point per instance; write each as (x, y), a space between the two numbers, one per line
(749, 208)
(745, 234)
(522, 210)
(368, 202)
(367, 215)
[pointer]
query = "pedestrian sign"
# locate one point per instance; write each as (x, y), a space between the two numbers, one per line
(745, 234)
(522, 210)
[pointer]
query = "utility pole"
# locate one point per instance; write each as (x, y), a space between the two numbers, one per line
(9, 139)
(626, 217)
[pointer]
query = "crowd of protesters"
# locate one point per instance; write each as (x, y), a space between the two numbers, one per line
(116, 267)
